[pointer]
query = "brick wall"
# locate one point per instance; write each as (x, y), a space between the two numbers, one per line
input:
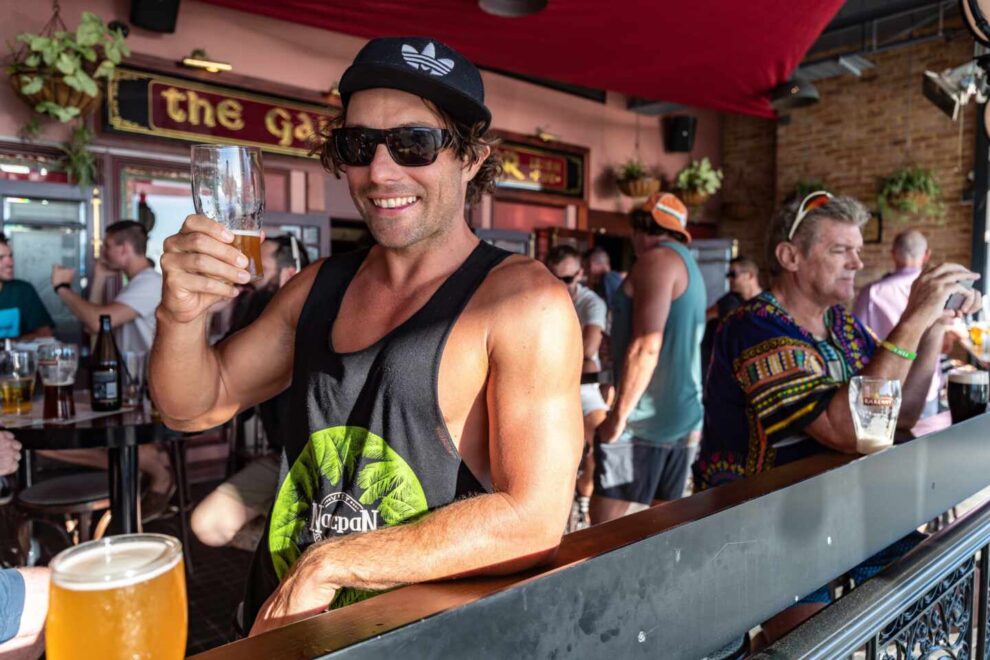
(862, 130)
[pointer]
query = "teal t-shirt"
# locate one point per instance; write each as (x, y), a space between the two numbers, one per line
(21, 310)
(670, 408)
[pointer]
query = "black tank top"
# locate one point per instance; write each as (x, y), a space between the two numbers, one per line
(367, 445)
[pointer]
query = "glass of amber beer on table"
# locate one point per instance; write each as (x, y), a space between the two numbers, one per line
(119, 597)
(229, 188)
(17, 373)
(57, 364)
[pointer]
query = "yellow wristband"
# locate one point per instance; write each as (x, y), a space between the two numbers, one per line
(898, 351)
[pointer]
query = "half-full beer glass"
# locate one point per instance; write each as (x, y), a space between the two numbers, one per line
(119, 597)
(57, 364)
(228, 187)
(875, 404)
(17, 373)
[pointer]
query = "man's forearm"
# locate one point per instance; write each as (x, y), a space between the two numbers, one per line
(43, 331)
(184, 371)
(87, 312)
(488, 534)
(641, 361)
(914, 393)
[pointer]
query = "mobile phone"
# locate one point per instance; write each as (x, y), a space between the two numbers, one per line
(956, 300)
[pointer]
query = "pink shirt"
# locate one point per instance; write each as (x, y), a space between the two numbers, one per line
(880, 305)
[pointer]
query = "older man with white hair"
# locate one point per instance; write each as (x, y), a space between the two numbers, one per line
(881, 303)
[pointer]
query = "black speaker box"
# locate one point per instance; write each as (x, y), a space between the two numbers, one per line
(155, 15)
(678, 132)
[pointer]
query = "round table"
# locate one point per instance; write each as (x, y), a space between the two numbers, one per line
(120, 433)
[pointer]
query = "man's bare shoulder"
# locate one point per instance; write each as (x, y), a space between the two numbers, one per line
(520, 294)
(659, 261)
(289, 300)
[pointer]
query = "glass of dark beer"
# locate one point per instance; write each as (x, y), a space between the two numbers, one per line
(57, 363)
(228, 187)
(968, 394)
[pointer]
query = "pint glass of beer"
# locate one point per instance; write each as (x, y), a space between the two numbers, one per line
(228, 187)
(968, 394)
(875, 404)
(119, 597)
(57, 364)
(17, 373)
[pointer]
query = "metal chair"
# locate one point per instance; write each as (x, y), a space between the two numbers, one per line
(71, 500)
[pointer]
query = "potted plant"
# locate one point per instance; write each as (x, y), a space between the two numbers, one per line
(697, 182)
(57, 71)
(910, 190)
(634, 180)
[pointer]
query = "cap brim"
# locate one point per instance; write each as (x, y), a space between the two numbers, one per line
(374, 76)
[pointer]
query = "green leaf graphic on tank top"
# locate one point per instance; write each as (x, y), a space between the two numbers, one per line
(385, 479)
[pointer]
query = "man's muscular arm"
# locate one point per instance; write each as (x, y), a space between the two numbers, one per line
(196, 386)
(535, 432)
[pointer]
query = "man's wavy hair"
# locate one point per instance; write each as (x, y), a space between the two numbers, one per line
(467, 141)
(846, 210)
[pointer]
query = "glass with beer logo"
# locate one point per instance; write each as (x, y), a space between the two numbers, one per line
(57, 364)
(119, 597)
(875, 404)
(17, 373)
(228, 187)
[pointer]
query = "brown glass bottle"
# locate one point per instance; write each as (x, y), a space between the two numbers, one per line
(106, 371)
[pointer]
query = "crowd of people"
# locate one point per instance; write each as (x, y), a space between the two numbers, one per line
(437, 403)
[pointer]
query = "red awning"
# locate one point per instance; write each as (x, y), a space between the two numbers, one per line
(725, 55)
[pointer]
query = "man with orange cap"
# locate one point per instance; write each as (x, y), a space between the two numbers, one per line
(646, 444)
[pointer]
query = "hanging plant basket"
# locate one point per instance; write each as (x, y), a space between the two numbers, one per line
(641, 187)
(693, 197)
(910, 200)
(53, 90)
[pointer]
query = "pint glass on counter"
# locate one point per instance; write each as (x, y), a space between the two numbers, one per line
(119, 597)
(968, 394)
(228, 187)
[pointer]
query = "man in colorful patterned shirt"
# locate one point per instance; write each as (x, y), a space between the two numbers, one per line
(782, 361)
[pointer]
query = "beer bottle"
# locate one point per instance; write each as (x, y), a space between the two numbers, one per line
(105, 374)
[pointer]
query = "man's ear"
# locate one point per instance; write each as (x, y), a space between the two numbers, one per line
(285, 275)
(471, 171)
(787, 256)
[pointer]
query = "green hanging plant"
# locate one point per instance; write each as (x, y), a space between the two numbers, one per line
(697, 182)
(911, 191)
(80, 162)
(635, 180)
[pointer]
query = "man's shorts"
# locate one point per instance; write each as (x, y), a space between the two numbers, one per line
(635, 470)
(255, 485)
(11, 603)
(591, 399)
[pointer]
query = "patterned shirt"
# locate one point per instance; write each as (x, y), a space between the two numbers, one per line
(769, 379)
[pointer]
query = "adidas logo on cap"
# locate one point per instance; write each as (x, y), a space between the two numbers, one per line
(427, 60)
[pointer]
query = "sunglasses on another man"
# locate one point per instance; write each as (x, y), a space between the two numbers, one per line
(409, 146)
(567, 279)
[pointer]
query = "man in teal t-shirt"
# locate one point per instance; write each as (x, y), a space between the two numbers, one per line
(22, 314)
(647, 442)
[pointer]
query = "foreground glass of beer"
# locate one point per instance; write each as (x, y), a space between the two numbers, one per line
(119, 597)
(17, 372)
(57, 364)
(969, 392)
(228, 187)
(875, 404)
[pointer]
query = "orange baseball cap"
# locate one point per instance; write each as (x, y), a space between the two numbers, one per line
(669, 212)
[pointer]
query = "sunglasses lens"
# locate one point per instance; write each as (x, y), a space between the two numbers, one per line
(731, 274)
(414, 146)
(355, 146)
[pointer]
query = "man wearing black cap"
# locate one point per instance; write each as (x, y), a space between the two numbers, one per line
(434, 380)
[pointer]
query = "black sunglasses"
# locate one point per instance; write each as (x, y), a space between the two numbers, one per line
(567, 279)
(731, 274)
(409, 146)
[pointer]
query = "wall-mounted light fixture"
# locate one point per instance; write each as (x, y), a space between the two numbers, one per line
(512, 8)
(546, 135)
(198, 60)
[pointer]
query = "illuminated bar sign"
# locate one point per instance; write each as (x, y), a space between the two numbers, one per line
(541, 169)
(146, 103)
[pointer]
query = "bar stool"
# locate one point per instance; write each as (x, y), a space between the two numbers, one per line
(72, 500)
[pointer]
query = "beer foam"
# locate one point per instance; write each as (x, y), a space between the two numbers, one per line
(246, 232)
(969, 377)
(107, 564)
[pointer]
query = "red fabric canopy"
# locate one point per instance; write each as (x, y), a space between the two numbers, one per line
(726, 55)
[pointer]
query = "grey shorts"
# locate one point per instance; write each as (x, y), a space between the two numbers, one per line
(635, 470)
(255, 485)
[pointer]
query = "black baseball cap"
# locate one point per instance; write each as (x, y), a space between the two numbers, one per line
(424, 67)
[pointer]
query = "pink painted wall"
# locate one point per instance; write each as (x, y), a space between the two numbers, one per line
(311, 58)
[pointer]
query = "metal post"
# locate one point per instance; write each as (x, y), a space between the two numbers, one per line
(872, 647)
(981, 186)
(983, 592)
(124, 486)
